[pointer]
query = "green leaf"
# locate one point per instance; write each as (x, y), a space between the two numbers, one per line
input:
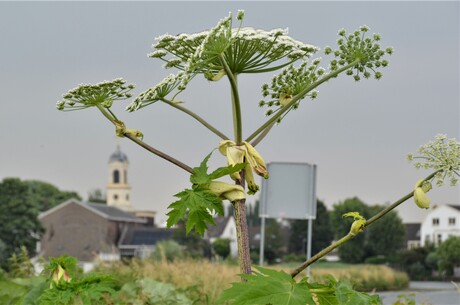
(223, 171)
(340, 293)
(200, 204)
(347, 296)
(268, 287)
(200, 174)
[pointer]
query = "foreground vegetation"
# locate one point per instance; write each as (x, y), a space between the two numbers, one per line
(161, 281)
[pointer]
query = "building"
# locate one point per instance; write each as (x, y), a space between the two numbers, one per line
(118, 189)
(225, 228)
(87, 231)
(104, 232)
(412, 235)
(441, 222)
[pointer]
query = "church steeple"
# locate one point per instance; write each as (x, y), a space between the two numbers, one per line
(118, 189)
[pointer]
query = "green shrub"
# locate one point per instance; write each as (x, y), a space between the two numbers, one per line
(168, 250)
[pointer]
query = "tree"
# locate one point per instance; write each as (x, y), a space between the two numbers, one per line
(97, 196)
(20, 204)
(449, 255)
(386, 236)
(221, 247)
(322, 234)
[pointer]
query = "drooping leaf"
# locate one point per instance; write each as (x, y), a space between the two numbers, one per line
(340, 293)
(268, 287)
(347, 296)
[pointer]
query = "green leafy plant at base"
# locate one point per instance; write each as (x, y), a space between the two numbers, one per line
(225, 52)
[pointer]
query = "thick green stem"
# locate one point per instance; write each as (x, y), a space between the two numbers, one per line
(322, 253)
(297, 97)
(242, 235)
(349, 236)
(196, 117)
(236, 107)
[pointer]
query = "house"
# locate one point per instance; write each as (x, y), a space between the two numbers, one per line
(412, 235)
(441, 222)
(84, 230)
(225, 228)
(103, 232)
(136, 241)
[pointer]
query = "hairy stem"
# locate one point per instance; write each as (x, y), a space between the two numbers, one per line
(196, 117)
(349, 236)
(297, 97)
(111, 117)
(159, 153)
(242, 234)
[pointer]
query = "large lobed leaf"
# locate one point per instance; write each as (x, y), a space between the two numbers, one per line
(271, 287)
(198, 203)
(268, 287)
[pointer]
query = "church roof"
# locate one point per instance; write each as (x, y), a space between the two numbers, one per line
(118, 156)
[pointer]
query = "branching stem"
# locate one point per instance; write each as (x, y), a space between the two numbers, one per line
(111, 117)
(196, 117)
(349, 236)
(297, 97)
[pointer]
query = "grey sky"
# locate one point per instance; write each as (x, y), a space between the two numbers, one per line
(357, 133)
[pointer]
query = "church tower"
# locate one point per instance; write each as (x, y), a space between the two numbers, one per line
(118, 189)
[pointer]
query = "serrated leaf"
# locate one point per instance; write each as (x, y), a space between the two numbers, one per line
(223, 171)
(268, 287)
(200, 174)
(200, 203)
(347, 296)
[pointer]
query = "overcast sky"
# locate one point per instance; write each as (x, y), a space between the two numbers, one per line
(358, 134)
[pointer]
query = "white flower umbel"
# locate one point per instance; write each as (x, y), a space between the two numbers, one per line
(246, 50)
(90, 95)
(441, 155)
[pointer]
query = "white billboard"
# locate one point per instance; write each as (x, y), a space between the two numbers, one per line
(290, 192)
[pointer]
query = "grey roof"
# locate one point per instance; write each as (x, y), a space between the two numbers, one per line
(412, 231)
(118, 156)
(457, 207)
(143, 236)
(113, 213)
(218, 229)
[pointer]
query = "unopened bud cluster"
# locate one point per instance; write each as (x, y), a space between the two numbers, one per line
(356, 46)
(290, 82)
(441, 155)
(89, 95)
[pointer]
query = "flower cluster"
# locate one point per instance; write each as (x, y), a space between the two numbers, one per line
(289, 83)
(441, 155)
(356, 46)
(158, 92)
(246, 50)
(89, 95)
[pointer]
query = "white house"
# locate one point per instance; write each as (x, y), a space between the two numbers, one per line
(441, 222)
(225, 228)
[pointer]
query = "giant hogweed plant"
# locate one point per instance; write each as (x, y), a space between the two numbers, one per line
(223, 53)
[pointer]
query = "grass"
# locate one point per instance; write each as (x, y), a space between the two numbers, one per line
(204, 281)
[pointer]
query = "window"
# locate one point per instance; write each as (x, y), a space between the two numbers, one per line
(435, 221)
(126, 177)
(451, 221)
(115, 197)
(127, 197)
(439, 239)
(116, 176)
